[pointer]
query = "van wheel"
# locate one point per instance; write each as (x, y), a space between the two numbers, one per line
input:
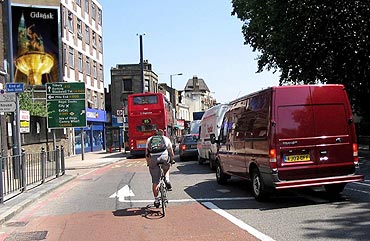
(335, 189)
(258, 186)
(220, 175)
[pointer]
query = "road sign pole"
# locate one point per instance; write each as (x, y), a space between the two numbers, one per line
(17, 145)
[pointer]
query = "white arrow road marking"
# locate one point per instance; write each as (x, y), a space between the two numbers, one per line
(125, 191)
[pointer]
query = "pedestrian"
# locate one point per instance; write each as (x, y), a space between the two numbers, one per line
(159, 148)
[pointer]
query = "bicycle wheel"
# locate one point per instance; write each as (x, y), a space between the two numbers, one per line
(163, 197)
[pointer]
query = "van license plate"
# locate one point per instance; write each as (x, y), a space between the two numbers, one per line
(297, 158)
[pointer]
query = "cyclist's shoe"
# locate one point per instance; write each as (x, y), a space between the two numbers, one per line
(156, 203)
(168, 185)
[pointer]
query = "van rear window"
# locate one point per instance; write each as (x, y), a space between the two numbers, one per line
(309, 121)
(330, 120)
(295, 121)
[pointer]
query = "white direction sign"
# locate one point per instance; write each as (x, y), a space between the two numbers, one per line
(7, 97)
(7, 106)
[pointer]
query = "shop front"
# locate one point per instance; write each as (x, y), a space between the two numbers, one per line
(93, 134)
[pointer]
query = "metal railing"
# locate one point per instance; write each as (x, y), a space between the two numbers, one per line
(29, 170)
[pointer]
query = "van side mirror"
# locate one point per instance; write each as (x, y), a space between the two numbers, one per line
(213, 138)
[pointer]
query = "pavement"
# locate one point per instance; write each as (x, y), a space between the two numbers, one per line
(74, 166)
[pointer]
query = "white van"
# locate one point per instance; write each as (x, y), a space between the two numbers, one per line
(210, 124)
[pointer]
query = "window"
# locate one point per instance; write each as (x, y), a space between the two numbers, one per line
(79, 28)
(87, 6)
(87, 34)
(127, 85)
(100, 17)
(88, 67)
(64, 54)
(146, 83)
(94, 69)
(100, 43)
(102, 102)
(149, 99)
(80, 65)
(95, 99)
(94, 38)
(64, 20)
(93, 13)
(78, 2)
(71, 58)
(101, 73)
(70, 21)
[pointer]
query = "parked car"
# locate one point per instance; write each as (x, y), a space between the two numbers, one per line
(210, 124)
(188, 147)
(290, 137)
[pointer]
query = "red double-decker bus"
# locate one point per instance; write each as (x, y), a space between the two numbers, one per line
(146, 113)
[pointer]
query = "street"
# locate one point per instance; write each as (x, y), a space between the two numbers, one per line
(115, 203)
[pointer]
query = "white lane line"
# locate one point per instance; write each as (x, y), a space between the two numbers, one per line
(356, 190)
(191, 200)
(361, 183)
(238, 222)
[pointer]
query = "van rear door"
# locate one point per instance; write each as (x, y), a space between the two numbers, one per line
(313, 137)
(334, 129)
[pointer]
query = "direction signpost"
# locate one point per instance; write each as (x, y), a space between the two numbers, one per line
(8, 102)
(14, 87)
(66, 104)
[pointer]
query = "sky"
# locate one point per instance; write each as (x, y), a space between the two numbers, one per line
(193, 37)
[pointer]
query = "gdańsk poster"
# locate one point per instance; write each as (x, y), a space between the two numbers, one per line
(35, 33)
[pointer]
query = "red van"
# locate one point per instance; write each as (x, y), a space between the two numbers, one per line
(289, 137)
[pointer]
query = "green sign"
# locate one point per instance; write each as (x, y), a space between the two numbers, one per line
(66, 104)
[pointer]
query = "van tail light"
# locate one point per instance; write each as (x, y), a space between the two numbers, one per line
(272, 156)
(355, 153)
(183, 147)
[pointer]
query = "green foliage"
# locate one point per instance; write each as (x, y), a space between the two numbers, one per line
(35, 108)
(312, 41)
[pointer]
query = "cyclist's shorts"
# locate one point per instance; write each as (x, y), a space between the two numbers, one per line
(154, 168)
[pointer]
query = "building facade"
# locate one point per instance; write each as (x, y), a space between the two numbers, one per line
(197, 96)
(126, 80)
(82, 46)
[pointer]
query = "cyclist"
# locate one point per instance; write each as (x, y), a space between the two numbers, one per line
(161, 150)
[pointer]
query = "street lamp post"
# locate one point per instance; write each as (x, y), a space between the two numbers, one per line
(141, 62)
(171, 93)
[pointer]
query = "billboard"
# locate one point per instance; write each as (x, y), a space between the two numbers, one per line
(35, 34)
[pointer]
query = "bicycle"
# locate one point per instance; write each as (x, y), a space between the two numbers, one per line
(162, 189)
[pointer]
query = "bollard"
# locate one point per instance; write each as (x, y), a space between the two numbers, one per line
(23, 170)
(1, 180)
(57, 163)
(43, 164)
(62, 160)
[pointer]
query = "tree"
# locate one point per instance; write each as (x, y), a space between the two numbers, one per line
(35, 108)
(312, 41)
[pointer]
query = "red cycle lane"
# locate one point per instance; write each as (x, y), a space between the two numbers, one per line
(182, 222)
(188, 221)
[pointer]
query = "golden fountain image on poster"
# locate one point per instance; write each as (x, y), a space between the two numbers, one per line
(31, 58)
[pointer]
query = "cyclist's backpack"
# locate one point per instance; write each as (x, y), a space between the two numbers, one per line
(157, 144)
